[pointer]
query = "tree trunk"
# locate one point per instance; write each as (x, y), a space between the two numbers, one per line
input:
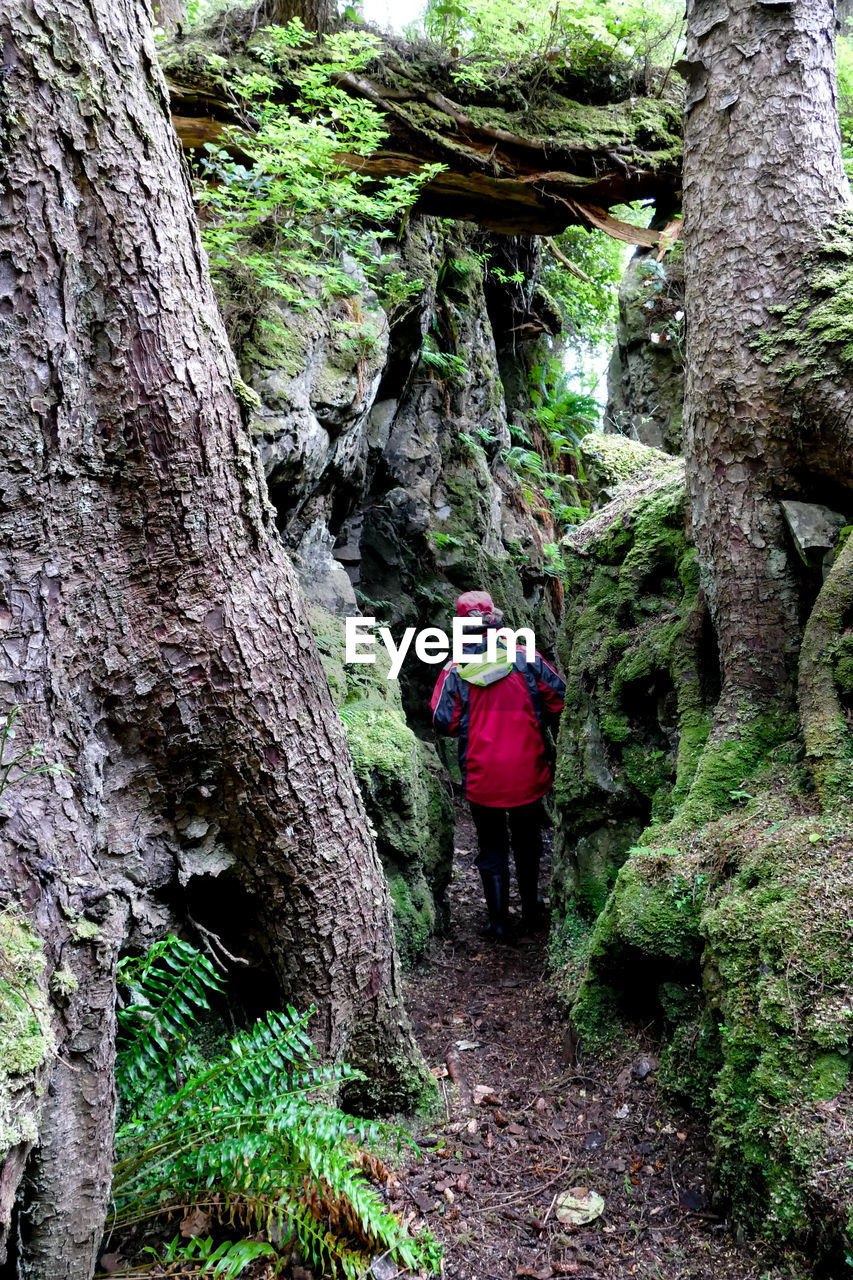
(315, 15)
(152, 626)
(762, 178)
(170, 14)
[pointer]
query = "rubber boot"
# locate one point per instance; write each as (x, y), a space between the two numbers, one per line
(532, 906)
(495, 893)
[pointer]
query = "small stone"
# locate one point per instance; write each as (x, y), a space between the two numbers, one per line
(644, 1068)
(383, 1268)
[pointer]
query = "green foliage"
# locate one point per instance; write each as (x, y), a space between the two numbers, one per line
(165, 990)
(447, 367)
(487, 33)
(290, 215)
(251, 1134)
(588, 305)
(224, 1261)
(844, 68)
(662, 287)
(560, 418)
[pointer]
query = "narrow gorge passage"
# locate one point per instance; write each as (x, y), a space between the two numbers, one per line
(529, 1116)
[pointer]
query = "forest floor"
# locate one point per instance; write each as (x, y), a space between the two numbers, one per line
(528, 1118)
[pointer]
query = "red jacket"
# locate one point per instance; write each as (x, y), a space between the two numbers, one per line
(503, 747)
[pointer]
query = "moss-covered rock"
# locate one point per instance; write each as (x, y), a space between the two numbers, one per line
(26, 1040)
(738, 944)
(402, 786)
(637, 706)
(645, 943)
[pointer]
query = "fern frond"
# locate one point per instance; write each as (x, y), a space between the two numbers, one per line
(166, 990)
(252, 1135)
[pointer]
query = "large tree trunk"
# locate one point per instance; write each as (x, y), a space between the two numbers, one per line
(152, 626)
(315, 15)
(762, 178)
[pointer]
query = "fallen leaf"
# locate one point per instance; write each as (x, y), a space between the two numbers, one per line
(579, 1205)
(462, 1045)
(440, 1073)
(195, 1224)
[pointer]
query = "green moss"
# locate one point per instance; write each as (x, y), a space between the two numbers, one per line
(25, 1036)
(85, 930)
(724, 767)
(615, 460)
(278, 340)
(829, 1075)
(650, 922)
(656, 904)
(760, 899)
(628, 646)
(691, 1056)
(63, 984)
(812, 337)
(843, 665)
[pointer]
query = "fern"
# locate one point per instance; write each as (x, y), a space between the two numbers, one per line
(445, 365)
(224, 1261)
(251, 1136)
(165, 991)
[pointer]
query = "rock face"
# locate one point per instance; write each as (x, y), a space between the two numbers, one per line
(383, 442)
(814, 529)
(635, 715)
(645, 380)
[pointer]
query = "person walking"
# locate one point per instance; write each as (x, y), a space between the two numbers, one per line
(501, 712)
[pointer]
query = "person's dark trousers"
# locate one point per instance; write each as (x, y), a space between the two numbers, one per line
(492, 860)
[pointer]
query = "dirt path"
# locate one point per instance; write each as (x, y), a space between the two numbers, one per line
(526, 1119)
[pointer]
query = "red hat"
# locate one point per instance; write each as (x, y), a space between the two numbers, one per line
(476, 602)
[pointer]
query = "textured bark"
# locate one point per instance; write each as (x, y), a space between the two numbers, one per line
(316, 15)
(762, 177)
(151, 623)
(169, 14)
